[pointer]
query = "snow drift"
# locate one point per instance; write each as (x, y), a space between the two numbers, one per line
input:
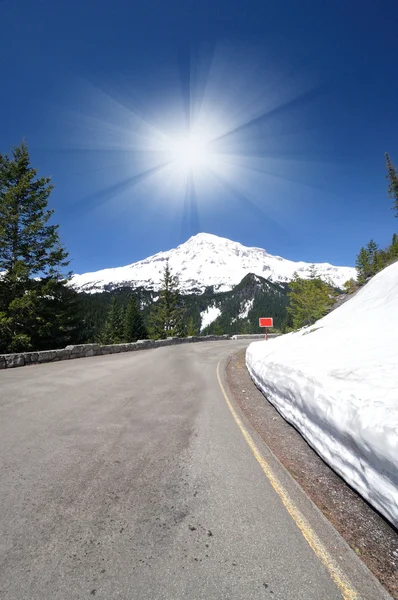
(337, 383)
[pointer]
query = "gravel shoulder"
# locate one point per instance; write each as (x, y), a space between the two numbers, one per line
(371, 537)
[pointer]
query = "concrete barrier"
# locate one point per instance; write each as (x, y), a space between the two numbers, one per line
(9, 361)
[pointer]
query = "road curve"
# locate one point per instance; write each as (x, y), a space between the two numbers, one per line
(126, 477)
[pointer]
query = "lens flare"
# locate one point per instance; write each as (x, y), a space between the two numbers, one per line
(190, 153)
(223, 130)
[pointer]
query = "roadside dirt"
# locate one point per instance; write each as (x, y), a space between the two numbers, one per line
(369, 534)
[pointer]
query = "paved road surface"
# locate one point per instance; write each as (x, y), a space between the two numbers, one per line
(126, 477)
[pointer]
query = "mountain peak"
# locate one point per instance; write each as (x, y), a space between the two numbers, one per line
(206, 260)
(209, 238)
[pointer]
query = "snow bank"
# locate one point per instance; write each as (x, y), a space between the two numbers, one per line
(337, 383)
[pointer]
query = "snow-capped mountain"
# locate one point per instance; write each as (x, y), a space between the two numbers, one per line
(207, 260)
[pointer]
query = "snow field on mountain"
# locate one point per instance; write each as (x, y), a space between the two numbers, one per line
(207, 260)
(337, 383)
(208, 316)
(247, 306)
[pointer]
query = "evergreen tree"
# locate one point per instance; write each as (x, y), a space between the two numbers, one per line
(370, 261)
(113, 329)
(372, 249)
(167, 314)
(116, 320)
(392, 251)
(218, 328)
(192, 330)
(29, 247)
(310, 300)
(380, 261)
(363, 265)
(60, 317)
(245, 327)
(134, 326)
(105, 336)
(392, 177)
(313, 273)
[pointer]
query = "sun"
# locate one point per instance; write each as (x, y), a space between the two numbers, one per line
(190, 153)
(220, 126)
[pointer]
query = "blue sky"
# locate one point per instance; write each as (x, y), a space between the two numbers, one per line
(301, 97)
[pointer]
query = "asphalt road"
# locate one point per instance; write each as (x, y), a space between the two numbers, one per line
(126, 476)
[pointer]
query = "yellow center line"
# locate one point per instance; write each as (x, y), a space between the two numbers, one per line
(335, 572)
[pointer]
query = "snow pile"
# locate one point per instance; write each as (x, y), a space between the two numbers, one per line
(337, 383)
(207, 260)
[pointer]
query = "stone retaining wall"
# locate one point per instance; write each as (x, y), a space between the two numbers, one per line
(254, 336)
(8, 361)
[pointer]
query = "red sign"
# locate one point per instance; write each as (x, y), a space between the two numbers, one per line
(266, 322)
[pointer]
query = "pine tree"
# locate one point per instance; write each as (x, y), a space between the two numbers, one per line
(167, 314)
(116, 320)
(245, 327)
(134, 326)
(392, 252)
(113, 329)
(180, 325)
(392, 177)
(27, 242)
(313, 273)
(60, 317)
(380, 260)
(105, 336)
(363, 265)
(218, 329)
(310, 300)
(29, 247)
(192, 330)
(372, 250)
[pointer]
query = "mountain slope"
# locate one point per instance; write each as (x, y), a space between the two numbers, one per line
(240, 308)
(235, 311)
(204, 261)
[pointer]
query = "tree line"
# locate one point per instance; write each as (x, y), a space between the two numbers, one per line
(167, 316)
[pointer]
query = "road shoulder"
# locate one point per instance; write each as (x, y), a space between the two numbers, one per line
(364, 530)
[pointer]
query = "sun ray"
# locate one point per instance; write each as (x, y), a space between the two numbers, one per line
(105, 195)
(190, 221)
(221, 120)
(243, 196)
(259, 120)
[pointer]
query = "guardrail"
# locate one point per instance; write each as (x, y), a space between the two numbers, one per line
(8, 361)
